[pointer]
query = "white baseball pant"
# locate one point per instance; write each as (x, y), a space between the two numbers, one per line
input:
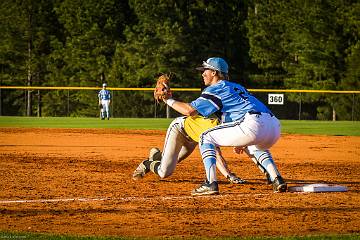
(258, 132)
(105, 108)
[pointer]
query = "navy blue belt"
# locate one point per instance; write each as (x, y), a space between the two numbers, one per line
(258, 113)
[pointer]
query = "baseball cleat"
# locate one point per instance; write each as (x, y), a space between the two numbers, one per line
(206, 189)
(279, 185)
(235, 179)
(140, 171)
(155, 154)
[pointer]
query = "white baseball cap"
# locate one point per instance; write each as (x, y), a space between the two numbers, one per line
(104, 85)
(215, 63)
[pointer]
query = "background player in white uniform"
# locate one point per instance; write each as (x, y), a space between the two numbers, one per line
(246, 123)
(104, 99)
(181, 139)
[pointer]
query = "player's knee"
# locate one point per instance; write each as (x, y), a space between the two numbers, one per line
(166, 170)
(164, 174)
(177, 122)
(204, 138)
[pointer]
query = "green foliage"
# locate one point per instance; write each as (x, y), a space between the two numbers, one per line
(269, 44)
(299, 38)
(351, 78)
(315, 43)
(174, 37)
(90, 32)
(153, 45)
(27, 27)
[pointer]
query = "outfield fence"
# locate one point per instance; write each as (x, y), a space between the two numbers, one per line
(138, 102)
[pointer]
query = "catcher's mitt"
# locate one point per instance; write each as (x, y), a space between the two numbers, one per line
(162, 89)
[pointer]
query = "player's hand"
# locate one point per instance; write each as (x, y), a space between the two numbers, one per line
(166, 96)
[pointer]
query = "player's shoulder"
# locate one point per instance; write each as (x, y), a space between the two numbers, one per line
(214, 87)
(224, 83)
(235, 85)
(219, 86)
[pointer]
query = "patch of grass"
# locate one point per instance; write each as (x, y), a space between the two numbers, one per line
(341, 128)
(72, 122)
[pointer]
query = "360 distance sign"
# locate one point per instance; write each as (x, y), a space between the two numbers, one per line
(276, 99)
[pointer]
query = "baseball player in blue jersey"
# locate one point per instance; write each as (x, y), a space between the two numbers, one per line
(104, 100)
(181, 140)
(245, 123)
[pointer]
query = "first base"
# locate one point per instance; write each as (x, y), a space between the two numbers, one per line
(318, 187)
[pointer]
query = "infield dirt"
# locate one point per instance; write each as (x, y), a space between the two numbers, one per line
(78, 182)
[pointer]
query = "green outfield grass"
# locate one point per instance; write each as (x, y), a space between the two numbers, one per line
(70, 122)
(341, 128)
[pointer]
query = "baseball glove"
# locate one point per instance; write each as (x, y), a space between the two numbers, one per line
(100, 106)
(162, 89)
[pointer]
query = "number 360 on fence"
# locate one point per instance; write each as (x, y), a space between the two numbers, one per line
(276, 99)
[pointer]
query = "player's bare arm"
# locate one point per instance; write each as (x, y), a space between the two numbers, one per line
(181, 107)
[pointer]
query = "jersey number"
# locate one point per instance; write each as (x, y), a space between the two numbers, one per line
(242, 94)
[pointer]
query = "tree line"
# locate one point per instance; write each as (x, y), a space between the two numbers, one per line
(292, 44)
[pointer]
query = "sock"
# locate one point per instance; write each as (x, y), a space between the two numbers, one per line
(154, 167)
(147, 165)
(257, 163)
(208, 154)
(267, 162)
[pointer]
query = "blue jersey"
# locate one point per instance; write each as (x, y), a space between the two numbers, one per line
(104, 94)
(228, 100)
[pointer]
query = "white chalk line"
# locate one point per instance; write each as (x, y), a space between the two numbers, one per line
(126, 199)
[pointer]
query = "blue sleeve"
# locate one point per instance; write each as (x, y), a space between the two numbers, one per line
(207, 104)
